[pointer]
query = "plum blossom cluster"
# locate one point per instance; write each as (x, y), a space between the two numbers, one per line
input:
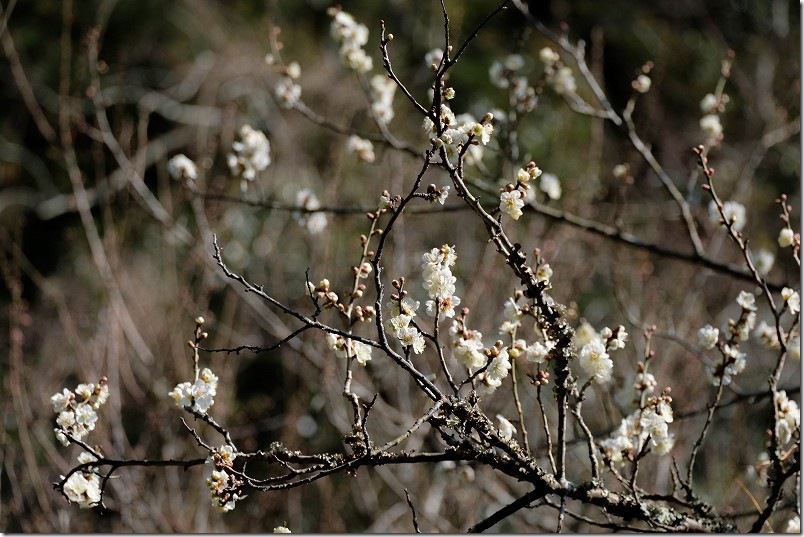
(83, 486)
(250, 155)
(732, 364)
(712, 106)
(514, 196)
(349, 348)
(748, 317)
(311, 219)
(352, 37)
(505, 74)
(593, 355)
(223, 485)
(286, 91)
(382, 98)
(497, 370)
(558, 76)
(648, 424)
(537, 352)
(788, 418)
(439, 282)
(363, 148)
(199, 395)
(77, 410)
(458, 135)
(467, 344)
(402, 311)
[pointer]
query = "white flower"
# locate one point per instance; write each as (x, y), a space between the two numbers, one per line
(763, 261)
(287, 93)
(544, 272)
(707, 336)
(314, 222)
(733, 211)
(434, 57)
(362, 352)
(746, 301)
(499, 366)
(363, 148)
(562, 81)
(787, 417)
(537, 352)
(710, 125)
(181, 167)
(786, 237)
(596, 362)
(767, 335)
(794, 347)
(511, 203)
(792, 300)
(550, 185)
(708, 103)
(60, 401)
(252, 154)
(469, 353)
(548, 56)
(506, 428)
(793, 525)
(84, 489)
(585, 334)
(282, 529)
(382, 96)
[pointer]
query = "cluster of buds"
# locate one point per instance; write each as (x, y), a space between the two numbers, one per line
(323, 292)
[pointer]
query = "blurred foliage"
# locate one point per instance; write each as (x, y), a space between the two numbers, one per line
(67, 327)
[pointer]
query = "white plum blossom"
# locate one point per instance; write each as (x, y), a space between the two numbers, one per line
(711, 127)
(181, 167)
(281, 529)
(746, 301)
(548, 56)
(312, 220)
(250, 155)
(287, 93)
(635, 429)
(585, 334)
(595, 361)
(83, 488)
(788, 418)
(767, 335)
(786, 237)
(506, 428)
(707, 336)
(792, 299)
(349, 348)
(199, 395)
(733, 211)
(363, 148)
(439, 282)
(550, 185)
(537, 352)
(77, 410)
(434, 57)
(562, 80)
(733, 364)
(467, 346)
(352, 36)
(511, 203)
(709, 103)
(763, 261)
(382, 96)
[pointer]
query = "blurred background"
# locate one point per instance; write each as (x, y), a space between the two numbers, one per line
(105, 271)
